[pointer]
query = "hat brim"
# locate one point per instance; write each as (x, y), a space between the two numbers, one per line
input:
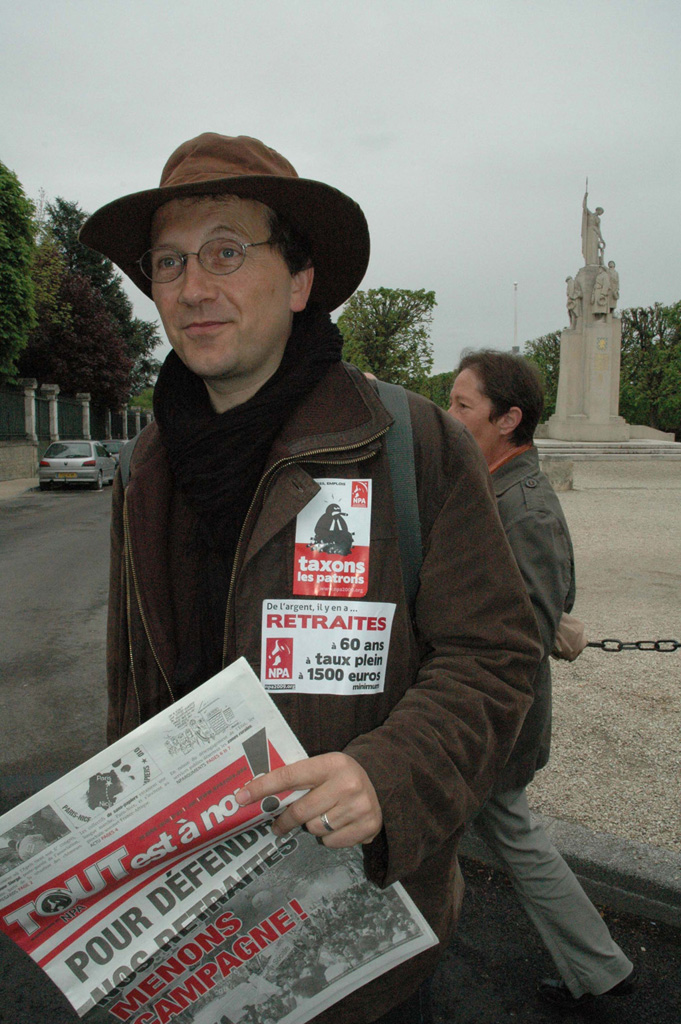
(333, 224)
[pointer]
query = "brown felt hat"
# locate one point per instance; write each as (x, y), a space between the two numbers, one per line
(333, 224)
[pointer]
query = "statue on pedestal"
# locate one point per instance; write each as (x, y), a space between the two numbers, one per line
(587, 402)
(593, 245)
(600, 298)
(574, 301)
(614, 286)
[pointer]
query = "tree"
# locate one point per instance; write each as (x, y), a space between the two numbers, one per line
(438, 388)
(48, 268)
(544, 352)
(386, 332)
(83, 352)
(140, 337)
(144, 399)
(17, 310)
(650, 379)
(145, 338)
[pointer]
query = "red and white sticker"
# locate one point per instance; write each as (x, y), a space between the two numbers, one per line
(319, 647)
(332, 541)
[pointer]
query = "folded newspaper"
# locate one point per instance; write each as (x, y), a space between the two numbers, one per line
(148, 895)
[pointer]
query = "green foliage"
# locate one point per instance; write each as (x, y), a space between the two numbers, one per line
(650, 378)
(544, 352)
(386, 332)
(144, 400)
(83, 352)
(17, 303)
(438, 388)
(48, 269)
(140, 337)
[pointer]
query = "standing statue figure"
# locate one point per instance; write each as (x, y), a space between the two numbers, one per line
(600, 299)
(614, 286)
(593, 245)
(574, 301)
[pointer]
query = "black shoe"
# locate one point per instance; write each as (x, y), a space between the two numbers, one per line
(558, 994)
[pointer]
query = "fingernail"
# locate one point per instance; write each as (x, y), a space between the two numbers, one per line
(242, 796)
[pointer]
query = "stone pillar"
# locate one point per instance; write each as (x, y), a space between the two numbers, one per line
(124, 418)
(107, 425)
(84, 398)
(29, 384)
(52, 390)
(138, 418)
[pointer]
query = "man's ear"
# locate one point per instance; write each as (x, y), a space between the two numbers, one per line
(300, 289)
(508, 422)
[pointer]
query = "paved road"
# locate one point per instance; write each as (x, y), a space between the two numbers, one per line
(53, 566)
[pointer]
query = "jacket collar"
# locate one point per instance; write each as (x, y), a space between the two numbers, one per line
(517, 469)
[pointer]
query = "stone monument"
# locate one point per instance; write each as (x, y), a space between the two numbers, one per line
(589, 377)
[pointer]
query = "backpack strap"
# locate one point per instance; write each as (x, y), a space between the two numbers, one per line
(125, 457)
(400, 448)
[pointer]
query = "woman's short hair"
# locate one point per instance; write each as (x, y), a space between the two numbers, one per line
(508, 380)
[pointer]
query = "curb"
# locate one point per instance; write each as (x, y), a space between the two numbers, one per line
(632, 878)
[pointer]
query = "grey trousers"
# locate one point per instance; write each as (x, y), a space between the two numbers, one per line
(571, 928)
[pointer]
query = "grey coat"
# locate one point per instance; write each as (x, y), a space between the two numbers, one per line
(540, 540)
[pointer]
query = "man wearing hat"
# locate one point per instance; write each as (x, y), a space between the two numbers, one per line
(259, 427)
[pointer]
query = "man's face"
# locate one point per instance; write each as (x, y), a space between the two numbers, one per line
(230, 330)
(468, 404)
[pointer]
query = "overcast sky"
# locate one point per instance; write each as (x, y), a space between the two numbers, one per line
(464, 128)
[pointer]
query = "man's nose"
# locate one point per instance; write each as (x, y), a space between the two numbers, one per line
(197, 284)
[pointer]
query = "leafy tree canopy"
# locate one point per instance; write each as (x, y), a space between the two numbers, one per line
(17, 304)
(544, 352)
(64, 220)
(650, 378)
(386, 332)
(83, 352)
(144, 399)
(438, 388)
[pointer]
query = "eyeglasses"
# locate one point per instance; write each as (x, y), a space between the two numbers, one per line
(218, 256)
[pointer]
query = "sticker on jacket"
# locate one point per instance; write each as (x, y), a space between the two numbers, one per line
(332, 541)
(317, 647)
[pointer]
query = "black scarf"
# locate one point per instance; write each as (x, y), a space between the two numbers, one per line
(217, 460)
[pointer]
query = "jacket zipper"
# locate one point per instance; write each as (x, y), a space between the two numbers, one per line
(304, 457)
(132, 572)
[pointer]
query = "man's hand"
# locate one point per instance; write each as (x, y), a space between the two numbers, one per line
(338, 787)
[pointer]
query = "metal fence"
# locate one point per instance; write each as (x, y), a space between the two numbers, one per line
(116, 424)
(70, 418)
(97, 423)
(12, 423)
(42, 418)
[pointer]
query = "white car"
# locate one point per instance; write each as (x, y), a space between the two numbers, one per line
(76, 462)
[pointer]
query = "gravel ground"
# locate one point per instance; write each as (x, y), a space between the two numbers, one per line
(616, 756)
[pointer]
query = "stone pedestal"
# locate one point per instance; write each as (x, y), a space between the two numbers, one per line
(588, 385)
(587, 403)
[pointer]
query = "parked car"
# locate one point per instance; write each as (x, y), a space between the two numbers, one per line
(114, 448)
(76, 462)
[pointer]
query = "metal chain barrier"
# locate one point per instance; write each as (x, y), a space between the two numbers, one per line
(615, 646)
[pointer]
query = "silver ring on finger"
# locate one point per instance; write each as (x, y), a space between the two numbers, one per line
(326, 823)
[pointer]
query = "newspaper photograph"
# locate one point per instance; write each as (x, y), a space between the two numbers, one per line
(147, 894)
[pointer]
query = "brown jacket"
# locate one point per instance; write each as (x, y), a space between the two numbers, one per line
(456, 687)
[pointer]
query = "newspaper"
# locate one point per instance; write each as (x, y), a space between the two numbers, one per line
(148, 895)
